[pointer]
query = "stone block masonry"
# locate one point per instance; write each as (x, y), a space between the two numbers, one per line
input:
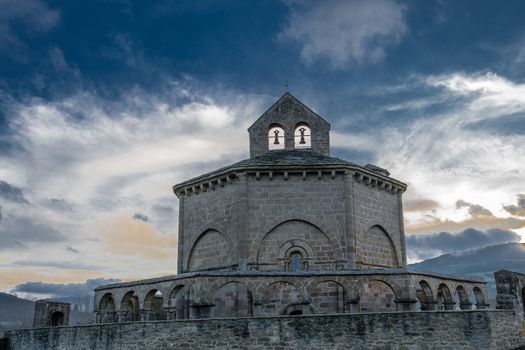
(480, 329)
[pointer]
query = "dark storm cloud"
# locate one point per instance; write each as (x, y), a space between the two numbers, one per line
(64, 290)
(18, 232)
(518, 210)
(12, 193)
(141, 217)
(424, 246)
(475, 210)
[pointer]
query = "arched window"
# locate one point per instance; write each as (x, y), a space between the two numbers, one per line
(275, 137)
(302, 136)
(296, 261)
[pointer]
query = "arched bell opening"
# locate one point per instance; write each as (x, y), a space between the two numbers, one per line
(276, 137)
(302, 136)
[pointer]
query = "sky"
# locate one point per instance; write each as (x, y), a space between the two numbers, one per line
(106, 104)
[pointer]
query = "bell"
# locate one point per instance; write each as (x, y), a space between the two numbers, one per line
(276, 139)
(302, 141)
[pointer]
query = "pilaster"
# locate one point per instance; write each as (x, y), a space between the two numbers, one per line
(349, 219)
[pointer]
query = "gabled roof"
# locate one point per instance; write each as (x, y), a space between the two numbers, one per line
(280, 101)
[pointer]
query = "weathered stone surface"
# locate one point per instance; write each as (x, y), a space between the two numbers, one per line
(51, 313)
(487, 329)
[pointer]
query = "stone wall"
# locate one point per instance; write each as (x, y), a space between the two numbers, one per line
(51, 313)
(232, 294)
(378, 211)
(488, 329)
(510, 287)
(308, 212)
(207, 217)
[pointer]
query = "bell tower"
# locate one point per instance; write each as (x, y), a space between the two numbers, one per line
(289, 125)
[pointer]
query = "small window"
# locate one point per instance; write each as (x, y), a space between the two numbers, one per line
(302, 136)
(296, 261)
(275, 137)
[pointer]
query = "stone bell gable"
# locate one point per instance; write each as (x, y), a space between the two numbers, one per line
(288, 125)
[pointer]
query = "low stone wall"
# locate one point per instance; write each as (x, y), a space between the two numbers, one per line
(483, 329)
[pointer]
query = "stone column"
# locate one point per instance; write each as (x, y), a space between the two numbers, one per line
(180, 238)
(405, 304)
(349, 219)
(145, 314)
(402, 228)
(242, 221)
(352, 307)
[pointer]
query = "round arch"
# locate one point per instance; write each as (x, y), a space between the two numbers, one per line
(154, 305)
(444, 298)
(225, 236)
(233, 299)
(464, 302)
(179, 302)
(129, 307)
(302, 136)
(328, 297)
(311, 220)
(376, 295)
(424, 295)
(362, 247)
(278, 295)
(479, 298)
(276, 137)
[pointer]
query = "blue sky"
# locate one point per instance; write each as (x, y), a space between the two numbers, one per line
(104, 105)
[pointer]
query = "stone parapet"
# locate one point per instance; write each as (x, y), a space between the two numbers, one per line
(485, 329)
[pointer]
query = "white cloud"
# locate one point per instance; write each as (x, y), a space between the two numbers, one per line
(448, 154)
(345, 32)
(111, 159)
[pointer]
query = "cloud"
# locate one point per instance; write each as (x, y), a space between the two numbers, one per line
(444, 149)
(63, 289)
(425, 246)
(418, 205)
(344, 32)
(141, 217)
(12, 193)
(59, 205)
(128, 237)
(475, 210)
(517, 210)
(63, 265)
(23, 232)
(431, 223)
(116, 157)
(34, 16)
(72, 250)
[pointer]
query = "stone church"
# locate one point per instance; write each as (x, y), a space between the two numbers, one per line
(290, 249)
(289, 231)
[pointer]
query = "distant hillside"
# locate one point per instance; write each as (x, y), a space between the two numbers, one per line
(481, 262)
(18, 313)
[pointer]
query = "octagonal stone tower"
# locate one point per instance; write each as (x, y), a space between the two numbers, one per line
(290, 206)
